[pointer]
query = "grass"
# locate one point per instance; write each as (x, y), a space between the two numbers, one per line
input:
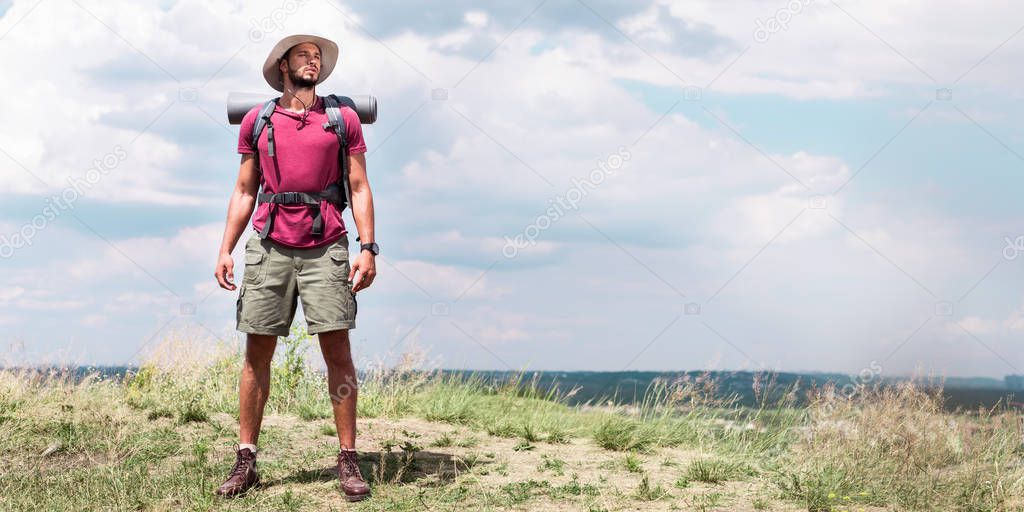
(647, 492)
(712, 471)
(633, 463)
(161, 439)
(553, 464)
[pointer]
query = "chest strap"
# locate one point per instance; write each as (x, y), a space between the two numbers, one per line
(331, 194)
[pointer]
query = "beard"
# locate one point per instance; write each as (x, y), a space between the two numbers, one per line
(300, 81)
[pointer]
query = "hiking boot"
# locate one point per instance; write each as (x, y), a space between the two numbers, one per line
(243, 476)
(352, 483)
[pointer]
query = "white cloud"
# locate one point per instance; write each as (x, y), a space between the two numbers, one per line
(13, 292)
(445, 282)
(695, 203)
(190, 246)
(95, 320)
(941, 38)
(476, 19)
(50, 304)
(1011, 325)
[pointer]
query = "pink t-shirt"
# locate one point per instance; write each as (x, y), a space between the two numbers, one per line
(305, 160)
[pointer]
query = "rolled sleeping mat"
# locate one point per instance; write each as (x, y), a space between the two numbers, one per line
(240, 103)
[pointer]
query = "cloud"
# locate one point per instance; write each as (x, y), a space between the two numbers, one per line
(11, 293)
(701, 208)
(191, 246)
(659, 28)
(445, 282)
(94, 320)
(1011, 325)
(51, 304)
(435, 18)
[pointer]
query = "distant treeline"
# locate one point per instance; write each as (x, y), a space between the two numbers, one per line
(629, 387)
(774, 388)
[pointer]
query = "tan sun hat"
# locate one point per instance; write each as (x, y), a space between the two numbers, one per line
(328, 58)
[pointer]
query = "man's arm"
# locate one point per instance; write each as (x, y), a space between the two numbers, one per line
(243, 200)
(364, 268)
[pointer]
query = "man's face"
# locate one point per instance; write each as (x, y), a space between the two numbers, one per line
(302, 66)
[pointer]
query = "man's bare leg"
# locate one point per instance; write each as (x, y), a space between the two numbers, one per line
(342, 384)
(252, 397)
(255, 385)
(341, 381)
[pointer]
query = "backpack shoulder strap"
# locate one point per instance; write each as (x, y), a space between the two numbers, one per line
(334, 118)
(336, 121)
(262, 120)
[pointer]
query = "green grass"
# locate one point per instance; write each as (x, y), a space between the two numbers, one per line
(712, 471)
(647, 492)
(633, 463)
(553, 464)
(161, 440)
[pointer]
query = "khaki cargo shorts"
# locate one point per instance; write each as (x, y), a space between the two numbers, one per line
(277, 277)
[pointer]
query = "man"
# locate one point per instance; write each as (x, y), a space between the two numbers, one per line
(299, 250)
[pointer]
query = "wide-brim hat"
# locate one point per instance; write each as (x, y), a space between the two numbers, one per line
(328, 58)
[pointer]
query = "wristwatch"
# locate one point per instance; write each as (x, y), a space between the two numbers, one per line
(372, 247)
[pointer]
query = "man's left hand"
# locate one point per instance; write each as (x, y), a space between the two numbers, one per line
(364, 269)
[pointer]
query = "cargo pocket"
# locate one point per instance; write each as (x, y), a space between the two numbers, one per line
(238, 305)
(255, 267)
(339, 266)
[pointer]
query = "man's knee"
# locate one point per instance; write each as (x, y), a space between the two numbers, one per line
(335, 347)
(259, 349)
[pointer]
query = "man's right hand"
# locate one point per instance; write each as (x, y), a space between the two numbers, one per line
(225, 272)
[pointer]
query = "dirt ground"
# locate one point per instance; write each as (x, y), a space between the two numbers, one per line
(299, 456)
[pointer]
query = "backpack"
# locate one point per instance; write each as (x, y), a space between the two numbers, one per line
(337, 193)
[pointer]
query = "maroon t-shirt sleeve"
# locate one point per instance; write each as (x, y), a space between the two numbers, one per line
(353, 131)
(245, 131)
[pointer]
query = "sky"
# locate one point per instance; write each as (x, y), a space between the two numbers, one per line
(559, 185)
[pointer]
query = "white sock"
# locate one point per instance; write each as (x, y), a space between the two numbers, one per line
(251, 447)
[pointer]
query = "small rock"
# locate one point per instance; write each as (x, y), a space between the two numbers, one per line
(54, 446)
